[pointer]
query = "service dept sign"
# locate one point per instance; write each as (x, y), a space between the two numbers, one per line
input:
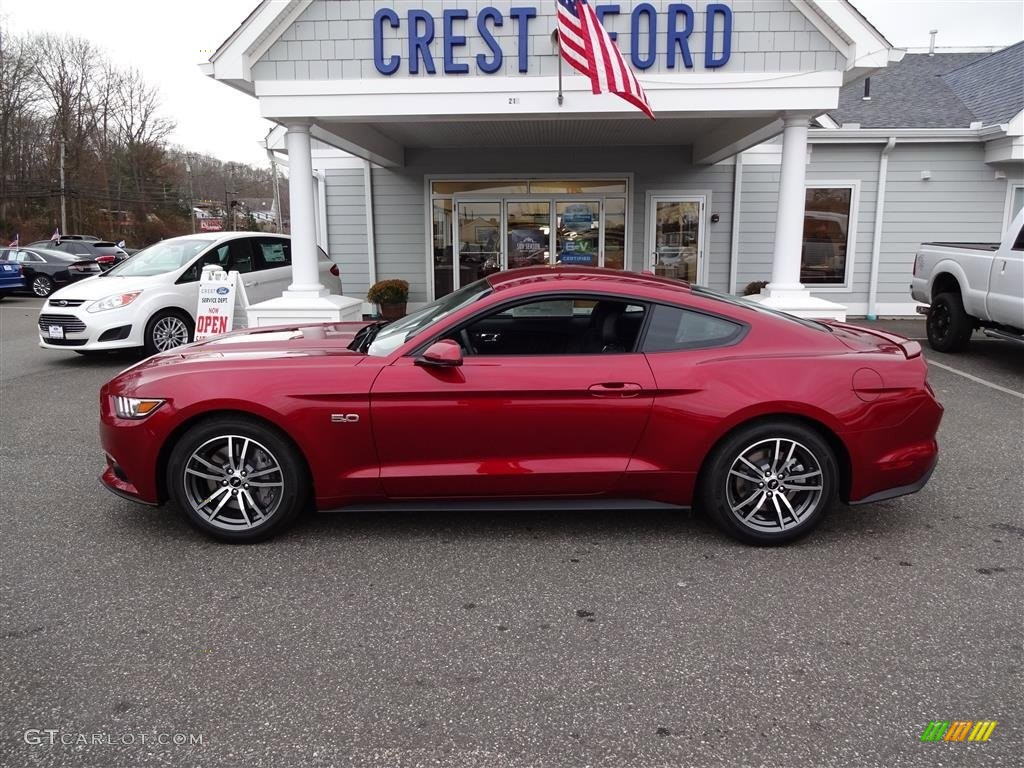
(421, 32)
(216, 311)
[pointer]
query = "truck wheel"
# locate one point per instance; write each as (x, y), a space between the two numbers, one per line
(949, 326)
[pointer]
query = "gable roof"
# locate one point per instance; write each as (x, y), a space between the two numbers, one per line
(992, 87)
(946, 90)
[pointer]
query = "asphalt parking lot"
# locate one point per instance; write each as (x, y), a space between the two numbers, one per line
(608, 639)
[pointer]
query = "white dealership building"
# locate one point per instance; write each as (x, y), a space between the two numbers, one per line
(441, 141)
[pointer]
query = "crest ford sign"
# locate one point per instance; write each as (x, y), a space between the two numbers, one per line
(426, 42)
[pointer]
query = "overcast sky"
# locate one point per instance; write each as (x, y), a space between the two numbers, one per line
(166, 40)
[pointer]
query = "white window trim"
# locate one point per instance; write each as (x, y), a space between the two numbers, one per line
(1008, 217)
(851, 234)
(681, 194)
(428, 206)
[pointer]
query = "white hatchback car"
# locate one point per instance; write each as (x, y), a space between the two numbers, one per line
(150, 300)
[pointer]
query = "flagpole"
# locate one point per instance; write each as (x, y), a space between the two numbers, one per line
(554, 37)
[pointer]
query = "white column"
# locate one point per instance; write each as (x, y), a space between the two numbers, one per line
(789, 219)
(307, 300)
(785, 291)
(302, 197)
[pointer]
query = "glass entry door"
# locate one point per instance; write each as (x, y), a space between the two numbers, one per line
(676, 230)
(477, 239)
(578, 233)
(528, 227)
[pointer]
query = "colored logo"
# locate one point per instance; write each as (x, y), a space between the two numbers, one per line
(222, 291)
(958, 730)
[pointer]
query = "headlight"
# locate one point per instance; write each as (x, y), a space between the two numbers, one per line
(135, 407)
(114, 302)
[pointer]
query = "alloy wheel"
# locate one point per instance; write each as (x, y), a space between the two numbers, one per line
(169, 332)
(939, 321)
(42, 287)
(774, 485)
(233, 482)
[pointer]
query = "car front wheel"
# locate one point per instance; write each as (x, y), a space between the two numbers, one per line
(770, 483)
(167, 330)
(237, 479)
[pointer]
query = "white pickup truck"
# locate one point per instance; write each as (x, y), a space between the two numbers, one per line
(972, 285)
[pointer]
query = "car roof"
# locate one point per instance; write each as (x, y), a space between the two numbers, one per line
(514, 278)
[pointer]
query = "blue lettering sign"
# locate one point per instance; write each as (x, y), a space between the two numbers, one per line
(453, 41)
(679, 37)
(419, 42)
(390, 65)
(714, 11)
(648, 10)
(489, 67)
(607, 10)
(523, 16)
(645, 45)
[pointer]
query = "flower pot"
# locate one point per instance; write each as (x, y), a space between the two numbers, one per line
(392, 311)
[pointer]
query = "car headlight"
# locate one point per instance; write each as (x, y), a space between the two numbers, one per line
(114, 302)
(135, 407)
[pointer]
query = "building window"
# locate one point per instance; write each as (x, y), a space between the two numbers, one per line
(827, 245)
(483, 226)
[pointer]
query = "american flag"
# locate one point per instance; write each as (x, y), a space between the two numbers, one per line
(55, 237)
(16, 242)
(585, 44)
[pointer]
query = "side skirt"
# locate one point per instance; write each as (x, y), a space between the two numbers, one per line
(512, 505)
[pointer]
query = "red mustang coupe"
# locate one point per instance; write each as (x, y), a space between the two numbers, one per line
(540, 388)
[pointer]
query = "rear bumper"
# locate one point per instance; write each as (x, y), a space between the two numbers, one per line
(896, 460)
(903, 490)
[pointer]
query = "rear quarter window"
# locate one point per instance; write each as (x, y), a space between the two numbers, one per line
(674, 328)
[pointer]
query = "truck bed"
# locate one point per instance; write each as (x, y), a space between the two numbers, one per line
(968, 246)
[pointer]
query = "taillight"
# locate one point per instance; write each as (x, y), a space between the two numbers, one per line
(916, 260)
(335, 271)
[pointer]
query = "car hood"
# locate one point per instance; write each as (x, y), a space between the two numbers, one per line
(101, 286)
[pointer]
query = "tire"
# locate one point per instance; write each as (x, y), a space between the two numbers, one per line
(761, 509)
(168, 329)
(221, 502)
(948, 325)
(41, 286)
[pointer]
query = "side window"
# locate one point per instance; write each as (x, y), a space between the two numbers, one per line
(563, 326)
(675, 328)
(273, 253)
(1018, 244)
(218, 256)
(240, 256)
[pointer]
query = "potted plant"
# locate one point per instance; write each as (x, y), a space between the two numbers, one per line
(755, 287)
(391, 296)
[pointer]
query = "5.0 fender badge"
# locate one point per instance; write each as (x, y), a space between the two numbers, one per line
(344, 418)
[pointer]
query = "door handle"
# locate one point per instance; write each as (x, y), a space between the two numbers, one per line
(615, 389)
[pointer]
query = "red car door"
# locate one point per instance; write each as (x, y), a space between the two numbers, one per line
(510, 426)
(551, 424)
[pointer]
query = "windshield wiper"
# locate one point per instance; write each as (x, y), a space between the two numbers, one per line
(364, 336)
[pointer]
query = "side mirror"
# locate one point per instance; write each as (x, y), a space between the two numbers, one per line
(444, 354)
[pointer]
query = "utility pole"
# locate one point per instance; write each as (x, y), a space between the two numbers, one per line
(191, 202)
(277, 196)
(63, 203)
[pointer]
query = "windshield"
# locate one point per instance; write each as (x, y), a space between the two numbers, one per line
(737, 301)
(391, 337)
(159, 259)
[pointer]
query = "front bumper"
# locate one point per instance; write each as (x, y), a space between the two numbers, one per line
(84, 330)
(132, 450)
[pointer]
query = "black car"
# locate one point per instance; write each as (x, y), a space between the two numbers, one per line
(46, 270)
(104, 253)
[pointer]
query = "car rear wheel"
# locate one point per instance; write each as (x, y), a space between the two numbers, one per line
(770, 483)
(237, 479)
(167, 330)
(949, 326)
(42, 286)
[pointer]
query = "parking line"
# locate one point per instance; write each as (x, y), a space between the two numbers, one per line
(966, 375)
